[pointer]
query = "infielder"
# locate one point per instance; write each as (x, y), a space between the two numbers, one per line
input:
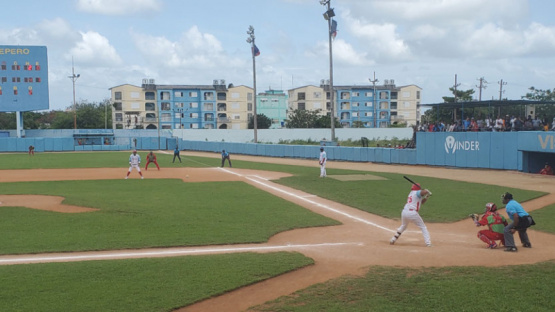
(417, 197)
(322, 161)
(134, 162)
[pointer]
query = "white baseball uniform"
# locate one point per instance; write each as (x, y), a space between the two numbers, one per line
(323, 159)
(134, 162)
(410, 214)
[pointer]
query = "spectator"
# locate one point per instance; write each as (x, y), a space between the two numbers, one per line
(499, 124)
(546, 170)
(473, 125)
(466, 124)
(537, 124)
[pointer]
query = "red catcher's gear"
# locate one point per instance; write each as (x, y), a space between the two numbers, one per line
(416, 187)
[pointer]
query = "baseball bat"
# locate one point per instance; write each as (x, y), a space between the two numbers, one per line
(408, 179)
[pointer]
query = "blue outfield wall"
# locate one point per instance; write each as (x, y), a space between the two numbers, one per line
(523, 151)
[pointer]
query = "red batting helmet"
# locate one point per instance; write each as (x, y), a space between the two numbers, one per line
(416, 187)
(491, 207)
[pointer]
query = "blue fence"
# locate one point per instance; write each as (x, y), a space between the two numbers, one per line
(523, 151)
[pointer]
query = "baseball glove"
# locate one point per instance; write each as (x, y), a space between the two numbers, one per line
(475, 217)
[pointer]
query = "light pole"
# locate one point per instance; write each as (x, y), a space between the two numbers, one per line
(73, 78)
(328, 16)
(250, 40)
(374, 98)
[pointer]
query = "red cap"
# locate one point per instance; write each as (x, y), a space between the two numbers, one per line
(416, 187)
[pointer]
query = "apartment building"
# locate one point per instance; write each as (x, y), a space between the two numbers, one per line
(153, 106)
(309, 98)
(273, 104)
(236, 111)
(134, 107)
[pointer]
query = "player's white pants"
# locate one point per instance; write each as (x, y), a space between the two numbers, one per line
(136, 167)
(413, 217)
(323, 170)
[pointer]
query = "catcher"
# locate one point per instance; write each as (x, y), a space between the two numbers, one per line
(495, 222)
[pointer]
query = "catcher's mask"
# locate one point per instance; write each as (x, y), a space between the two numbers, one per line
(491, 207)
(416, 187)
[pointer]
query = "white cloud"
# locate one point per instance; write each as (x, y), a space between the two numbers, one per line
(194, 51)
(94, 50)
(118, 7)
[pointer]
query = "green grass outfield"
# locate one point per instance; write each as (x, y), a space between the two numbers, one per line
(167, 212)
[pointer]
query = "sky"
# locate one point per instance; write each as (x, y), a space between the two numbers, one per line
(191, 42)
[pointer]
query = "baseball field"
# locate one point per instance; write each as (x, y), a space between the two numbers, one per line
(265, 235)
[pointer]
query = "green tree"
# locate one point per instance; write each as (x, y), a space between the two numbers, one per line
(324, 121)
(301, 118)
(262, 122)
(544, 111)
(358, 124)
(7, 121)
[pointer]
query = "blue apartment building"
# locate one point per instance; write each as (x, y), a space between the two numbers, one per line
(365, 104)
(189, 106)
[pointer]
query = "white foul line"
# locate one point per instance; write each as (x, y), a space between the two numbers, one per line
(312, 202)
(117, 255)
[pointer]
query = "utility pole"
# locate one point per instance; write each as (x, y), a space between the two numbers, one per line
(73, 78)
(482, 85)
(501, 84)
(455, 98)
(374, 98)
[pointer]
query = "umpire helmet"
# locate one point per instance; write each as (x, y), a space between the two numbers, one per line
(491, 207)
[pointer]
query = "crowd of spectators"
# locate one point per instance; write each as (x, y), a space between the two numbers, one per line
(509, 123)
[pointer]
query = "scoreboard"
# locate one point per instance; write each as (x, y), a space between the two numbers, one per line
(23, 78)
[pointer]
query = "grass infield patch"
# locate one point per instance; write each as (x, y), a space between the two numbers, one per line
(355, 177)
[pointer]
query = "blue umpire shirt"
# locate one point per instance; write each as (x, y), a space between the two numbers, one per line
(513, 207)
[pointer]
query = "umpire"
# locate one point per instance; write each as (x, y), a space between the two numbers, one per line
(225, 155)
(521, 221)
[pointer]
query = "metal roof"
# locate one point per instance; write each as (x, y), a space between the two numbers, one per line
(494, 103)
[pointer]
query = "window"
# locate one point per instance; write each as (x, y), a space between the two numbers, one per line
(301, 96)
(208, 106)
(369, 94)
(418, 95)
(302, 106)
(119, 116)
(165, 95)
(393, 105)
(236, 116)
(179, 105)
(195, 104)
(117, 106)
(222, 96)
(193, 94)
(149, 96)
(249, 107)
(356, 94)
(235, 105)
(384, 95)
(235, 95)
(150, 106)
(384, 105)
(407, 104)
(208, 96)
(317, 105)
(166, 106)
(355, 104)
(406, 94)
(134, 95)
(249, 96)
(317, 95)
(135, 105)
(178, 94)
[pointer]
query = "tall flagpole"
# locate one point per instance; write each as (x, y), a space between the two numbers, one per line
(250, 40)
